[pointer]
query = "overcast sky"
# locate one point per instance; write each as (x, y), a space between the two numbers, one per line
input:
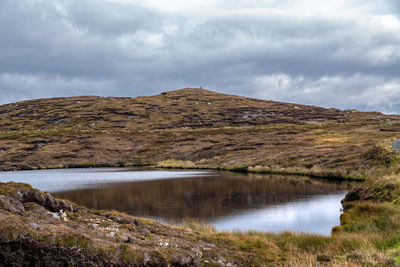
(343, 54)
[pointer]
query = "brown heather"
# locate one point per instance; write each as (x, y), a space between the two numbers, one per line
(193, 128)
(197, 129)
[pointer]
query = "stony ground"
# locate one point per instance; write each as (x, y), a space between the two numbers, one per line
(38, 229)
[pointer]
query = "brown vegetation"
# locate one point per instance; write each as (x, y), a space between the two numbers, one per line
(197, 129)
(193, 128)
(35, 231)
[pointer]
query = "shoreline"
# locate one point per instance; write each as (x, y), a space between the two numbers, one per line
(117, 238)
(243, 169)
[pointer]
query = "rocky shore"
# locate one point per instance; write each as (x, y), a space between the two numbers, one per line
(37, 229)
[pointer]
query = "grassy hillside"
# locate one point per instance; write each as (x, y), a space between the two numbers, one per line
(195, 128)
(186, 108)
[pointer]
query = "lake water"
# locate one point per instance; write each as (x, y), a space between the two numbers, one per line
(230, 201)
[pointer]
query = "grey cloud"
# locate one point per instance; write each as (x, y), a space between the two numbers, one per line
(112, 19)
(56, 48)
(277, 45)
(44, 41)
(43, 86)
(395, 6)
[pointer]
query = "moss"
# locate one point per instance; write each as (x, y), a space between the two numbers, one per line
(380, 155)
(12, 229)
(105, 224)
(11, 188)
(74, 240)
(125, 253)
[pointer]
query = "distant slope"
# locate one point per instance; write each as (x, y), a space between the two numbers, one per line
(191, 108)
(194, 128)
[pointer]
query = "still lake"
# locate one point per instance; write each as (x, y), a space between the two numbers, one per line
(228, 200)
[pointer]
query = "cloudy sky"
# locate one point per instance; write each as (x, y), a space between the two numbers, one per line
(343, 54)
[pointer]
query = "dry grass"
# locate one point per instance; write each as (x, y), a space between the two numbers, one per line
(199, 226)
(201, 129)
(194, 128)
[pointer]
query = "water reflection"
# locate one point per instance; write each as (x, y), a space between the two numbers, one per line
(315, 215)
(73, 179)
(228, 200)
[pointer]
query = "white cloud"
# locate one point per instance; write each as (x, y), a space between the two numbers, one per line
(367, 92)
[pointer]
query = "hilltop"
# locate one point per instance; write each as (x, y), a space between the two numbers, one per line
(185, 108)
(194, 128)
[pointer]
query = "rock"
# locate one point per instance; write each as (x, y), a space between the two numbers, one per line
(55, 215)
(323, 258)
(129, 240)
(46, 200)
(184, 260)
(11, 205)
(33, 225)
(63, 215)
(353, 195)
(94, 225)
(353, 257)
(164, 244)
(123, 219)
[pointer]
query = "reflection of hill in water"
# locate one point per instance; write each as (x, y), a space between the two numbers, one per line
(202, 197)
